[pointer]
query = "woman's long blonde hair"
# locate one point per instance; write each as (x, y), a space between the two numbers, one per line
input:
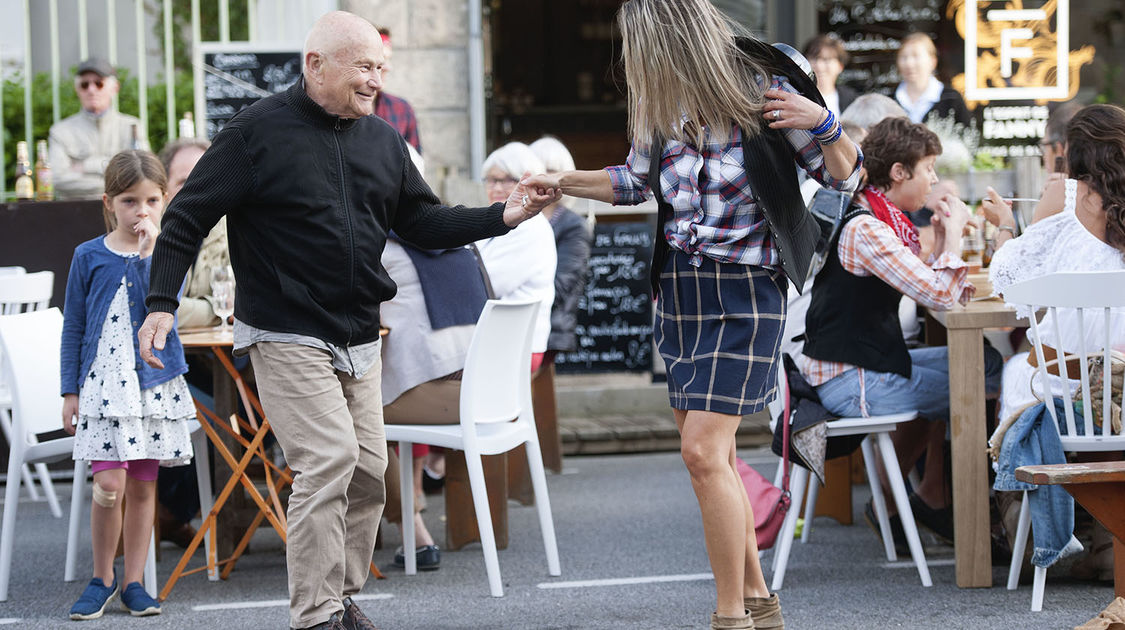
(681, 60)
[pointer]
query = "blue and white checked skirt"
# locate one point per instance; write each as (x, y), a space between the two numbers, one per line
(718, 327)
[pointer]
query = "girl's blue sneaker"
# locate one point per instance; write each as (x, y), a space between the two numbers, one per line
(138, 602)
(94, 599)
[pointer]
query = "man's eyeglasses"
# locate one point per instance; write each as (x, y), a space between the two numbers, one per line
(501, 181)
(85, 85)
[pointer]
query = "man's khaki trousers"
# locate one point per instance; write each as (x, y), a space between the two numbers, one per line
(330, 426)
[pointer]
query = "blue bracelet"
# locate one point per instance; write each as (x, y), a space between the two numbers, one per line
(832, 137)
(825, 126)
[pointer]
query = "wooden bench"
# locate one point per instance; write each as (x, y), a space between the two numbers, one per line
(1100, 488)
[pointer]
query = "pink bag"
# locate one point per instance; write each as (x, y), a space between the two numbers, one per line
(769, 503)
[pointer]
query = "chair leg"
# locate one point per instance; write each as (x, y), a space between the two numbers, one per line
(1037, 589)
(784, 543)
(8, 527)
(77, 509)
(543, 506)
(406, 500)
(898, 488)
(151, 585)
(25, 470)
(29, 482)
(203, 479)
(878, 502)
(48, 489)
(779, 472)
(1019, 545)
(484, 521)
(810, 508)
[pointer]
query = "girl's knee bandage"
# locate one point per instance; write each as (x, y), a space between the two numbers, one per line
(103, 497)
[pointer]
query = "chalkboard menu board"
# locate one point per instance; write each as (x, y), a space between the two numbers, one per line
(872, 31)
(615, 313)
(236, 75)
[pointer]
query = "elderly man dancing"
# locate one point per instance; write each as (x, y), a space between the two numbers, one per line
(311, 184)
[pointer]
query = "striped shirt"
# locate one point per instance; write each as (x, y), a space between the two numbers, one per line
(868, 247)
(714, 210)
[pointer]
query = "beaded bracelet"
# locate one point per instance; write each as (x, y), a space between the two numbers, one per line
(825, 126)
(830, 136)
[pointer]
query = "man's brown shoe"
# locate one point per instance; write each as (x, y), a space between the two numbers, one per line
(766, 612)
(354, 619)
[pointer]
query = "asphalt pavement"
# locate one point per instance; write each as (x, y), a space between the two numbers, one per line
(632, 552)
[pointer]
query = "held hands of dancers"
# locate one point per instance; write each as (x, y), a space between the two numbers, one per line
(528, 198)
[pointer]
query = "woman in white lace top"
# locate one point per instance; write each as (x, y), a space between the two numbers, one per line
(1088, 235)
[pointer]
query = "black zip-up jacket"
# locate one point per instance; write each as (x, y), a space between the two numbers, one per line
(309, 199)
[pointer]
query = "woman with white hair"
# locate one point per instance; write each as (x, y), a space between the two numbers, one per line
(717, 124)
(520, 264)
(572, 248)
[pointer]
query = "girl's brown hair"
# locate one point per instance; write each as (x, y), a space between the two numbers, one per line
(892, 140)
(123, 172)
(1095, 154)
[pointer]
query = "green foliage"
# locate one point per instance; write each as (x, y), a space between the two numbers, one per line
(41, 119)
(984, 161)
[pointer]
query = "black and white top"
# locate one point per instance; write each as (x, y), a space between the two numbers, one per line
(117, 420)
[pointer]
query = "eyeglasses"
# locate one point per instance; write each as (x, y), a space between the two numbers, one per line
(85, 85)
(501, 181)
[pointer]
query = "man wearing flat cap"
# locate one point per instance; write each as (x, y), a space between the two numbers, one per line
(82, 144)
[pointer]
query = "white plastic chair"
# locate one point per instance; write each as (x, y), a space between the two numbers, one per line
(877, 429)
(495, 390)
(1090, 295)
(20, 292)
(31, 364)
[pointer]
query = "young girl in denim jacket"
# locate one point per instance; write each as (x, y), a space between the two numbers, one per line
(127, 418)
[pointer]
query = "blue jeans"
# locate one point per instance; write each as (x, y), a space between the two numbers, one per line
(926, 391)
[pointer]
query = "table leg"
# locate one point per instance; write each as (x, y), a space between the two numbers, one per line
(239, 510)
(835, 498)
(460, 517)
(972, 544)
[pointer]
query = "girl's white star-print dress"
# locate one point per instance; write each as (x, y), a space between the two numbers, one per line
(117, 420)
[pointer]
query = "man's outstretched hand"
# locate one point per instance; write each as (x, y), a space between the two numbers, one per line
(528, 200)
(153, 334)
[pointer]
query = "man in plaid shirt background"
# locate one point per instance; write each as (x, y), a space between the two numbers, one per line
(396, 111)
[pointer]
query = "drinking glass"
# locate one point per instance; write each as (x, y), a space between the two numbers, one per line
(222, 293)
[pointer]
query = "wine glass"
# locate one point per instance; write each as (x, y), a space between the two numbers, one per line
(222, 294)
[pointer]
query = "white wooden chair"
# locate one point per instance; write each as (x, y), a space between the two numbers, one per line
(20, 292)
(878, 430)
(1089, 298)
(31, 363)
(496, 417)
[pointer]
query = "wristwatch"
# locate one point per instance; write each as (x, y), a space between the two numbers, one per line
(1011, 229)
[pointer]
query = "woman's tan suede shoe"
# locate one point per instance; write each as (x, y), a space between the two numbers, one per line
(766, 612)
(745, 622)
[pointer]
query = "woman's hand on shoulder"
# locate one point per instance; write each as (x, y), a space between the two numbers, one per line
(146, 234)
(789, 110)
(69, 412)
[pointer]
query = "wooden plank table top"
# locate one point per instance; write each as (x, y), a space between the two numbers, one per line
(964, 327)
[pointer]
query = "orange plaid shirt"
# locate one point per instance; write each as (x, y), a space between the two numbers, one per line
(869, 247)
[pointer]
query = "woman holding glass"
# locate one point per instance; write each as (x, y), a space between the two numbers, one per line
(720, 294)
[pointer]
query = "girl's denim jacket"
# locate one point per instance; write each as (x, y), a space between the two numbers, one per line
(95, 275)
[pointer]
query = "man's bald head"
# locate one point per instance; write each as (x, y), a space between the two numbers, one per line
(342, 64)
(336, 31)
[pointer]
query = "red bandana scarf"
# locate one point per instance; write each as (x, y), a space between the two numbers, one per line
(888, 213)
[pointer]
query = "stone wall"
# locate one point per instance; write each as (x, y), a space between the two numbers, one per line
(430, 68)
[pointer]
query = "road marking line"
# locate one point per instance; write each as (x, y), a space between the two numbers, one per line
(651, 579)
(909, 564)
(267, 603)
(9, 620)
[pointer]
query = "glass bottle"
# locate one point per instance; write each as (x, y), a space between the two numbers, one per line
(187, 126)
(25, 184)
(44, 182)
(136, 143)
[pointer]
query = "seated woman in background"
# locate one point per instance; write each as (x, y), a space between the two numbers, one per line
(572, 249)
(1087, 235)
(521, 264)
(431, 320)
